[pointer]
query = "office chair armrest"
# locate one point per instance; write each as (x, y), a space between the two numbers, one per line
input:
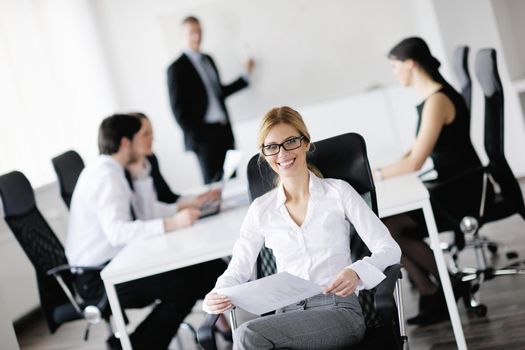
(384, 296)
(75, 270)
(205, 334)
(57, 272)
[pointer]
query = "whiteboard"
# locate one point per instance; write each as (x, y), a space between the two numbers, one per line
(306, 51)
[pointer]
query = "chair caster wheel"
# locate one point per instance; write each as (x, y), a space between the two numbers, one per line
(512, 255)
(493, 248)
(479, 311)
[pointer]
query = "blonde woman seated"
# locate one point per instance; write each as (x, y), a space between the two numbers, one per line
(306, 222)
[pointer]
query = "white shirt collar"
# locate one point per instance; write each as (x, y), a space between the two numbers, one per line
(110, 160)
(314, 184)
(195, 56)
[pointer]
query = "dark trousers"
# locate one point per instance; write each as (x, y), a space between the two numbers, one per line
(174, 291)
(212, 152)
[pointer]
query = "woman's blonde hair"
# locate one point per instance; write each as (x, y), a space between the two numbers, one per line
(288, 116)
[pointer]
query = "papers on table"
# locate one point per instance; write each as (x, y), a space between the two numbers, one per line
(270, 293)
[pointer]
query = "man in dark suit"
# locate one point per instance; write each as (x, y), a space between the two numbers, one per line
(197, 99)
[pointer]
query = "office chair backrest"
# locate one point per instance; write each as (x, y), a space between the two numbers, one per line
(487, 73)
(37, 239)
(68, 167)
(490, 82)
(460, 64)
(341, 157)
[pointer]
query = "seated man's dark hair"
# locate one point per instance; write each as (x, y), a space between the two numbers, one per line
(113, 129)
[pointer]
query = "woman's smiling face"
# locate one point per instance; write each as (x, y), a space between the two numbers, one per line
(287, 163)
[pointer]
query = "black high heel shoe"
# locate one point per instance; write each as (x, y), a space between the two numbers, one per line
(432, 309)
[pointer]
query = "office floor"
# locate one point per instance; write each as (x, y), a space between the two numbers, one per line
(502, 328)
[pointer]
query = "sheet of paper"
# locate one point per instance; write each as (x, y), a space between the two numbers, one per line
(270, 293)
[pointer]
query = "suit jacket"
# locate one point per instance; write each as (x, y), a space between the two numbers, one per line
(189, 101)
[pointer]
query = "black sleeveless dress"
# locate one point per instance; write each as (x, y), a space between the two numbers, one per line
(453, 154)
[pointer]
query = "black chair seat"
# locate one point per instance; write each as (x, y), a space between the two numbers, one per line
(67, 312)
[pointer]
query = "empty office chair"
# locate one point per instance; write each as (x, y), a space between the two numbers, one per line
(343, 157)
(507, 199)
(68, 167)
(499, 192)
(60, 303)
(460, 64)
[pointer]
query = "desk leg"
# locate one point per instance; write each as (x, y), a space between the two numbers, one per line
(116, 310)
(443, 276)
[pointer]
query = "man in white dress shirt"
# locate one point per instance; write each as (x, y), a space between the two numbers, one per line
(103, 220)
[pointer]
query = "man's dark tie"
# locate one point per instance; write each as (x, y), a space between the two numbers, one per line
(130, 182)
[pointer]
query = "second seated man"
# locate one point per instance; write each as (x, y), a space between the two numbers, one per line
(103, 221)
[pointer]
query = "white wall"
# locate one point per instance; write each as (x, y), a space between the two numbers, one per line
(509, 19)
(54, 87)
(306, 53)
(479, 30)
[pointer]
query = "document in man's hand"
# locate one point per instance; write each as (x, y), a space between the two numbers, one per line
(270, 293)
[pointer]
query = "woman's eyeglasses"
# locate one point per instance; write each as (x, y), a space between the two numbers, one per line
(288, 145)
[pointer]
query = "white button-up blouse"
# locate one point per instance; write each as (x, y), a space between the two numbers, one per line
(318, 249)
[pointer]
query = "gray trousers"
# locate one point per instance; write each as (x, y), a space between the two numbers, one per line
(319, 322)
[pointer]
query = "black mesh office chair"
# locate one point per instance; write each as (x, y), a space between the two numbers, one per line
(68, 167)
(343, 157)
(59, 300)
(460, 64)
(508, 199)
(493, 125)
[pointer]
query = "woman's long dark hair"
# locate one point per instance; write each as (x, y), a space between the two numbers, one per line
(416, 49)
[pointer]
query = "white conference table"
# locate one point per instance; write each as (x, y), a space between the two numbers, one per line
(406, 193)
(208, 239)
(213, 238)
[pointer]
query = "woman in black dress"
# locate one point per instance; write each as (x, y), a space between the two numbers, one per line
(443, 134)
